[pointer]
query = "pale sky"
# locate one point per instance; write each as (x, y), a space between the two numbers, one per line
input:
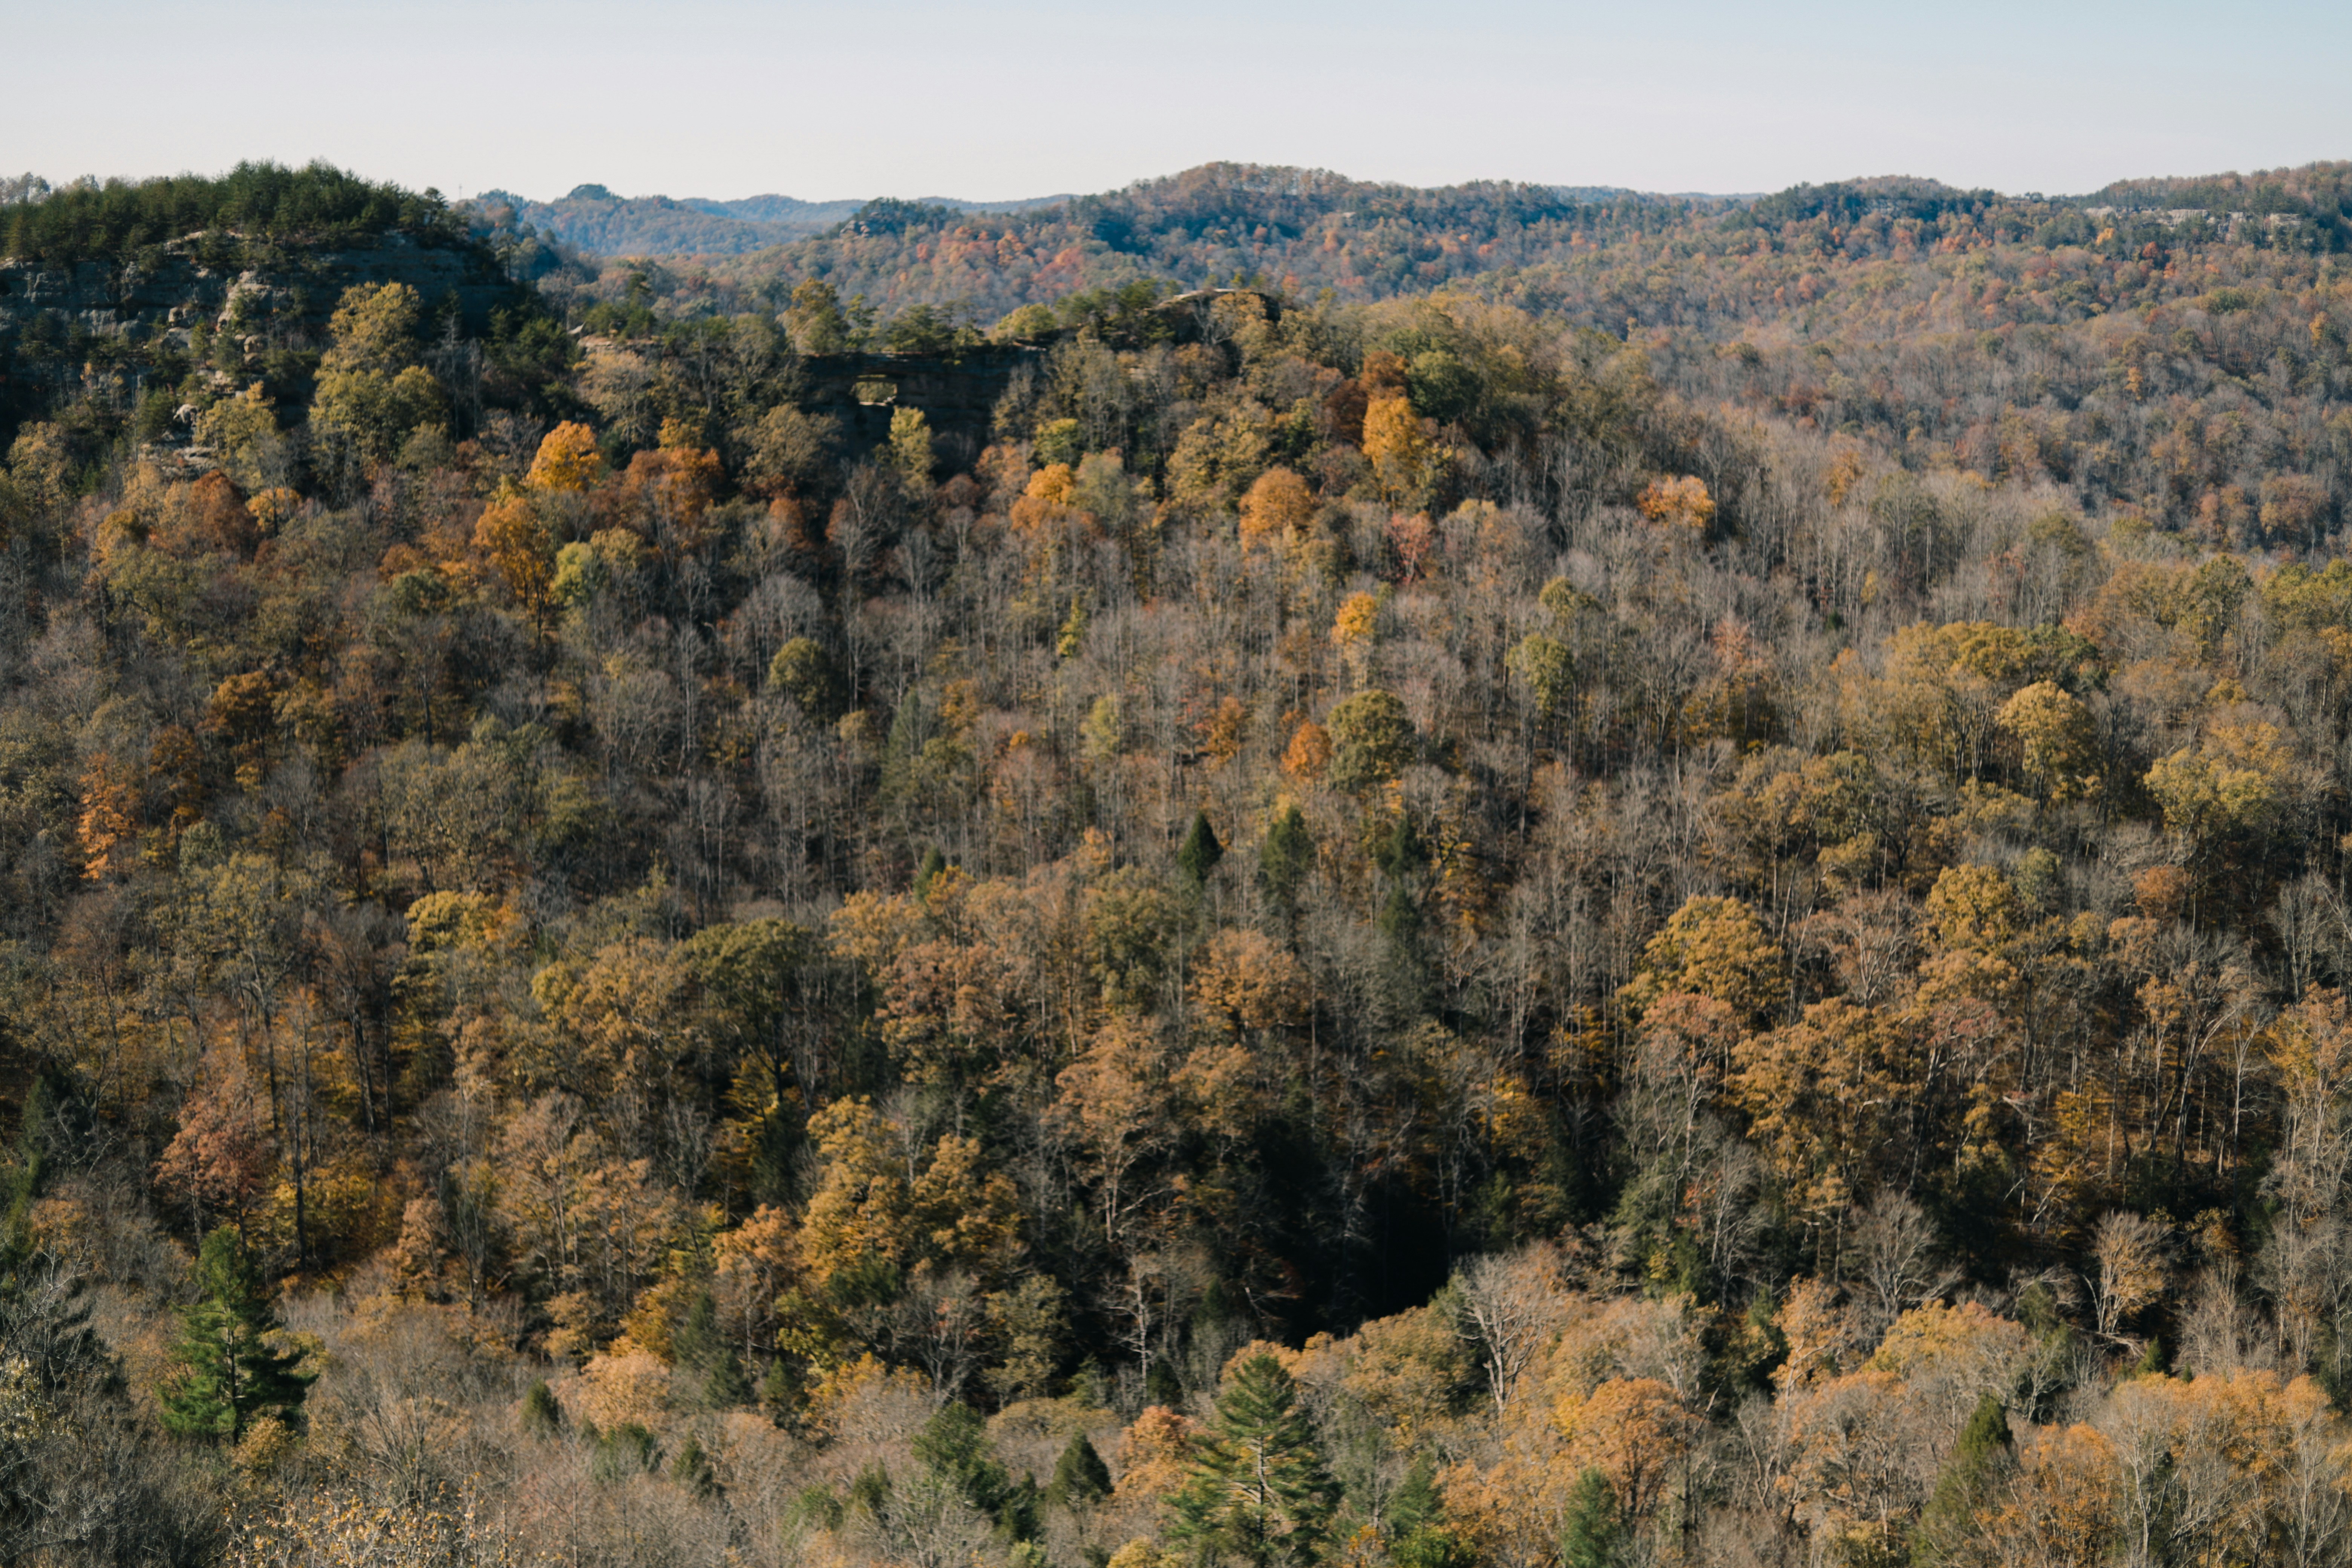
(732, 98)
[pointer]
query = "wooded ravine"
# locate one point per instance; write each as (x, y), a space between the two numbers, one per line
(1472, 880)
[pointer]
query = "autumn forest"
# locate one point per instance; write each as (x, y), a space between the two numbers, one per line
(1258, 872)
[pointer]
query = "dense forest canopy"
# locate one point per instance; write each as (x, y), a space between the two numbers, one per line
(1677, 893)
(118, 219)
(1308, 230)
(592, 218)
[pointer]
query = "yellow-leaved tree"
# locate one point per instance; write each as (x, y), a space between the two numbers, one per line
(879, 1199)
(1354, 631)
(1822, 1099)
(516, 538)
(373, 392)
(1403, 456)
(1276, 507)
(1682, 504)
(1711, 947)
(2236, 780)
(567, 460)
(2057, 744)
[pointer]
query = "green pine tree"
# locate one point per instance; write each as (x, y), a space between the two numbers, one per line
(729, 1385)
(628, 1449)
(227, 1374)
(1978, 1461)
(21, 1179)
(696, 1341)
(870, 1492)
(1593, 1534)
(1259, 1490)
(781, 1388)
(1400, 852)
(1079, 1475)
(1286, 858)
(1416, 1522)
(953, 1445)
(541, 1416)
(698, 1347)
(813, 1508)
(1201, 851)
(692, 1469)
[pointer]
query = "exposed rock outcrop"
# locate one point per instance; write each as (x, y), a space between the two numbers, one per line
(202, 277)
(958, 393)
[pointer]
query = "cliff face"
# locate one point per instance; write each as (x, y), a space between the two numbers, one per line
(958, 393)
(189, 281)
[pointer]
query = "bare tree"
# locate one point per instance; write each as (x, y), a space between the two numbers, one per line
(1891, 1257)
(2130, 1254)
(1512, 1302)
(925, 1522)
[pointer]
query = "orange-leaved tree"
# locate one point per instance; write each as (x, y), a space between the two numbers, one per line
(567, 460)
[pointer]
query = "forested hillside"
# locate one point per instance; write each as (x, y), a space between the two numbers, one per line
(1305, 230)
(1678, 905)
(1302, 230)
(591, 219)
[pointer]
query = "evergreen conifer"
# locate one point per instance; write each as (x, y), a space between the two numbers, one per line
(1079, 1475)
(1286, 858)
(1593, 1534)
(1977, 1462)
(1416, 1522)
(227, 1372)
(692, 1469)
(1259, 1490)
(541, 1416)
(1199, 854)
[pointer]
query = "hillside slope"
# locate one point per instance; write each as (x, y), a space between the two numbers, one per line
(591, 219)
(1305, 230)
(1300, 230)
(1318, 933)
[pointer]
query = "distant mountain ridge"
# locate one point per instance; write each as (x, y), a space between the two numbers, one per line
(1247, 225)
(1301, 231)
(590, 217)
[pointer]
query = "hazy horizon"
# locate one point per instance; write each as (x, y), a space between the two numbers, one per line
(689, 195)
(735, 96)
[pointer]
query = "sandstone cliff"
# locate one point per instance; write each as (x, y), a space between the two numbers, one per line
(227, 285)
